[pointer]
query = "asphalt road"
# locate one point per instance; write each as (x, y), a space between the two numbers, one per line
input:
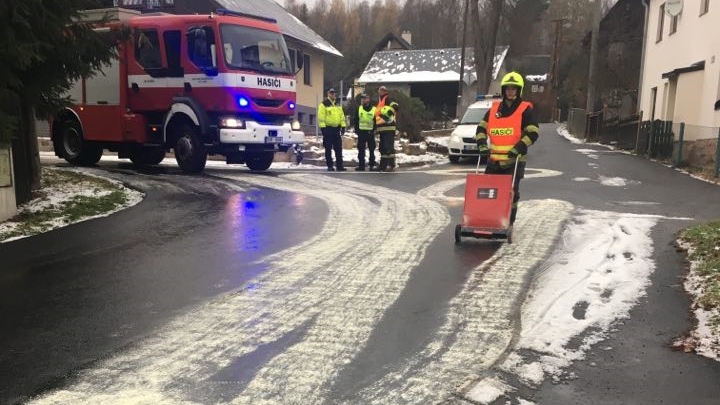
(336, 288)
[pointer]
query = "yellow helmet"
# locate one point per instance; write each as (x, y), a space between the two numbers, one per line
(513, 79)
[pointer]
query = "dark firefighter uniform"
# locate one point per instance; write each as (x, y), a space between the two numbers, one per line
(385, 120)
(511, 126)
(364, 122)
(331, 119)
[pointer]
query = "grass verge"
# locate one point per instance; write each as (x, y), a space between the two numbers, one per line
(704, 252)
(64, 197)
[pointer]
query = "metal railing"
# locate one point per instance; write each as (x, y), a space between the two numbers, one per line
(683, 145)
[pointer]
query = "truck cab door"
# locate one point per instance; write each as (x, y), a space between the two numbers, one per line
(147, 72)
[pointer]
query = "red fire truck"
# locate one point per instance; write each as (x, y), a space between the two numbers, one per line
(219, 84)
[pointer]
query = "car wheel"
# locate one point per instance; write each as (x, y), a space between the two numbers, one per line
(454, 159)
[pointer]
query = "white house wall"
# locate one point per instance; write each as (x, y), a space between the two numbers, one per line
(697, 39)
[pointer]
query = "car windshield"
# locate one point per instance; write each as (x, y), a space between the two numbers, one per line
(474, 115)
(255, 49)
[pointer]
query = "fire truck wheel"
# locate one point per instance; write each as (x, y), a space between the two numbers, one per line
(190, 152)
(143, 156)
(72, 147)
(259, 160)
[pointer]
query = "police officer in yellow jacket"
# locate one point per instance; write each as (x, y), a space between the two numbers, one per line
(385, 125)
(364, 123)
(511, 127)
(331, 119)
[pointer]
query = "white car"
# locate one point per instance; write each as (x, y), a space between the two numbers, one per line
(462, 139)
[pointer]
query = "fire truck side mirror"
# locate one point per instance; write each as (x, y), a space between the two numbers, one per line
(210, 71)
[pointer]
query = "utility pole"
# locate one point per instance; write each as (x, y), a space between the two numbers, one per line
(462, 59)
(590, 102)
(553, 81)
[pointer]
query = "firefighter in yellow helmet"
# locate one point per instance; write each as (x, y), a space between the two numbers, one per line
(385, 125)
(511, 127)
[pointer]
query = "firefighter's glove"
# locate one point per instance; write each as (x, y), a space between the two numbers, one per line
(483, 149)
(520, 148)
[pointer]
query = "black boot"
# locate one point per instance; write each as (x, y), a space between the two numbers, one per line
(360, 169)
(383, 164)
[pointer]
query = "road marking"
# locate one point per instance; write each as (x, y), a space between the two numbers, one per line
(481, 320)
(328, 292)
(530, 172)
(438, 190)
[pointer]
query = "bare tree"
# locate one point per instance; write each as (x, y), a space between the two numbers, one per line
(485, 20)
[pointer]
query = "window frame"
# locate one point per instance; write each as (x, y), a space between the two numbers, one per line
(704, 7)
(661, 23)
(674, 24)
(307, 70)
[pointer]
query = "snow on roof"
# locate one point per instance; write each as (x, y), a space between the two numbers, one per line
(425, 65)
(290, 25)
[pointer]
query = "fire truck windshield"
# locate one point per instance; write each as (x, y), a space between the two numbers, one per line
(247, 48)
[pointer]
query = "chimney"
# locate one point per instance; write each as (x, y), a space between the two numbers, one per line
(407, 36)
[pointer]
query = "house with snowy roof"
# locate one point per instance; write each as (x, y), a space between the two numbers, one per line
(301, 40)
(432, 75)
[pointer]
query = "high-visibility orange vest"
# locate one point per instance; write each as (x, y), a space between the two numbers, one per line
(504, 132)
(378, 109)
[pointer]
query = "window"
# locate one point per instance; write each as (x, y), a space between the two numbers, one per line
(306, 70)
(201, 47)
(147, 49)
(301, 117)
(312, 119)
(653, 101)
(247, 48)
(172, 50)
(674, 24)
(661, 20)
(704, 6)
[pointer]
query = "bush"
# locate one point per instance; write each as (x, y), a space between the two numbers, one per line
(411, 113)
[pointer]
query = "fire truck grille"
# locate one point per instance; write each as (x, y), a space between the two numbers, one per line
(267, 103)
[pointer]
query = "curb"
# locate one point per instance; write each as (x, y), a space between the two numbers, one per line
(45, 145)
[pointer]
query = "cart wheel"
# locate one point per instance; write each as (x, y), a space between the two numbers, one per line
(457, 233)
(509, 237)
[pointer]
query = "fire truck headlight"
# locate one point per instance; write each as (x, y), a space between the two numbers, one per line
(295, 125)
(232, 123)
(291, 105)
(243, 102)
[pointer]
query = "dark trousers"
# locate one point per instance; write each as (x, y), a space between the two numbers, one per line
(387, 149)
(366, 139)
(494, 167)
(332, 142)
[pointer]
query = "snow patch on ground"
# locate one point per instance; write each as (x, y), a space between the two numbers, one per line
(582, 179)
(614, 181)
(563, 131)
(488, 390)
(598, 272)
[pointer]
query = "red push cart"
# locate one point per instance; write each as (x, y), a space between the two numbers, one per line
(488, 204)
